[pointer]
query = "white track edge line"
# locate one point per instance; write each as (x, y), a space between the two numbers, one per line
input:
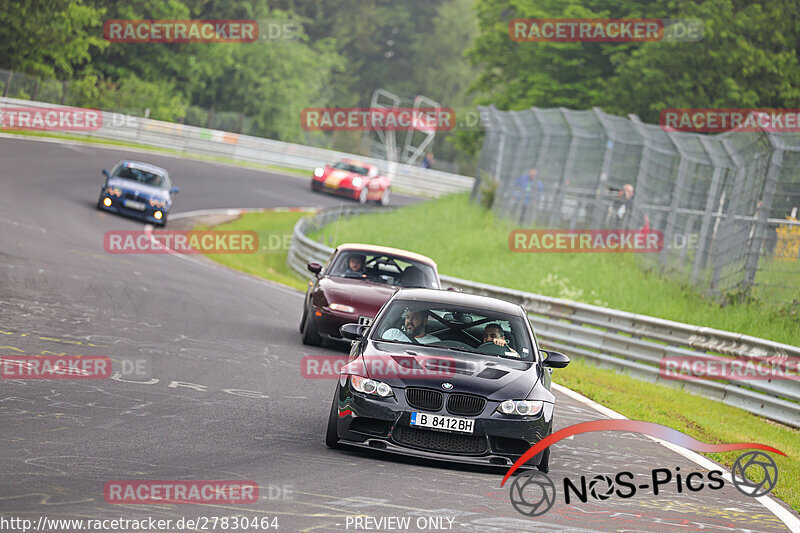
(148, 228)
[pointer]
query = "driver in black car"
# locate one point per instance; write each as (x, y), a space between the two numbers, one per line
(355, 266)
(494, 333)
(415, 324)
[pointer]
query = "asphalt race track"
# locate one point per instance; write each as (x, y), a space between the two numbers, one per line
(223, 397)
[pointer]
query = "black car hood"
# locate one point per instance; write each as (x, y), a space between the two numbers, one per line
(404, 365)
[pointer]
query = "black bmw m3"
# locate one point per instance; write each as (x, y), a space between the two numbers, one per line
(448, 376)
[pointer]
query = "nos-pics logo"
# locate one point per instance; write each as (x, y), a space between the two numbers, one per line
(533, 493)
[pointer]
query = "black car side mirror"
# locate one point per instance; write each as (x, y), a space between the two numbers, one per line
(554, 359)
(352, 331)
(105, 173)
(314, 268)
(174, 190)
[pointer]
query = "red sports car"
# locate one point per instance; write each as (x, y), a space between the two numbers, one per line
(353, 179)
(356, 282)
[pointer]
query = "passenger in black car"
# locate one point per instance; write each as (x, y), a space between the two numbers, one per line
(494, 333)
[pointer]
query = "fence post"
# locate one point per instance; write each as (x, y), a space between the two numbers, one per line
(764, 207)
(716, 182)
(602, 178)
(8, 84)
(728, 225)
(556, 211)
(641, 174)
(669, 229)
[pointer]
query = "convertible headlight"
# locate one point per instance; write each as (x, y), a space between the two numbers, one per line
(155, 202)
(520, 407)
(318, 172)
(342, 308)
(370, 386)
(356, 182)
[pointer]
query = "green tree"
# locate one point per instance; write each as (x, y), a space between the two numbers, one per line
(48, 38)
(748, 58)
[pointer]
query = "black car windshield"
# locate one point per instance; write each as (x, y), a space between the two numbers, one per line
(133, 173)
(383, 268)
(456, 327)
(341, 165)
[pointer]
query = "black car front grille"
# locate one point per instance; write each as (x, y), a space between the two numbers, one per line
(465, 404)
(439, 441)
(130, 196)
(425, 399)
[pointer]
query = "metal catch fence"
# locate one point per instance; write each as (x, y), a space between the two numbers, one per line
(726, 204)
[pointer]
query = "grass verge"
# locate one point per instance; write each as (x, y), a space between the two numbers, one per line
(269, 264)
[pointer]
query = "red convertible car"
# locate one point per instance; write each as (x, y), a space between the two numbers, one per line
(353, 179)
(357, 280)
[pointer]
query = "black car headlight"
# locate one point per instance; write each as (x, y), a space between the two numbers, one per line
(371, 386)
(520, 407)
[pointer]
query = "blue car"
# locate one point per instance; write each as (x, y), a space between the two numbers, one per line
(138, 190)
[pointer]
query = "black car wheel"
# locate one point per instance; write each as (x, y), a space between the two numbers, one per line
(332, 435)
(544, 464)
(310, 335)
(303, 320)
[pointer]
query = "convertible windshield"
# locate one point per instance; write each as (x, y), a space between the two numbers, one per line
(141, 175)
(456, 327)
(351, 168)
(383, 268)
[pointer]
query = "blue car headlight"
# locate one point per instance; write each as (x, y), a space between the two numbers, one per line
(160, 204)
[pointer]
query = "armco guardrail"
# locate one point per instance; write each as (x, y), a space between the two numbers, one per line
(616, 339)
(201, 141)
